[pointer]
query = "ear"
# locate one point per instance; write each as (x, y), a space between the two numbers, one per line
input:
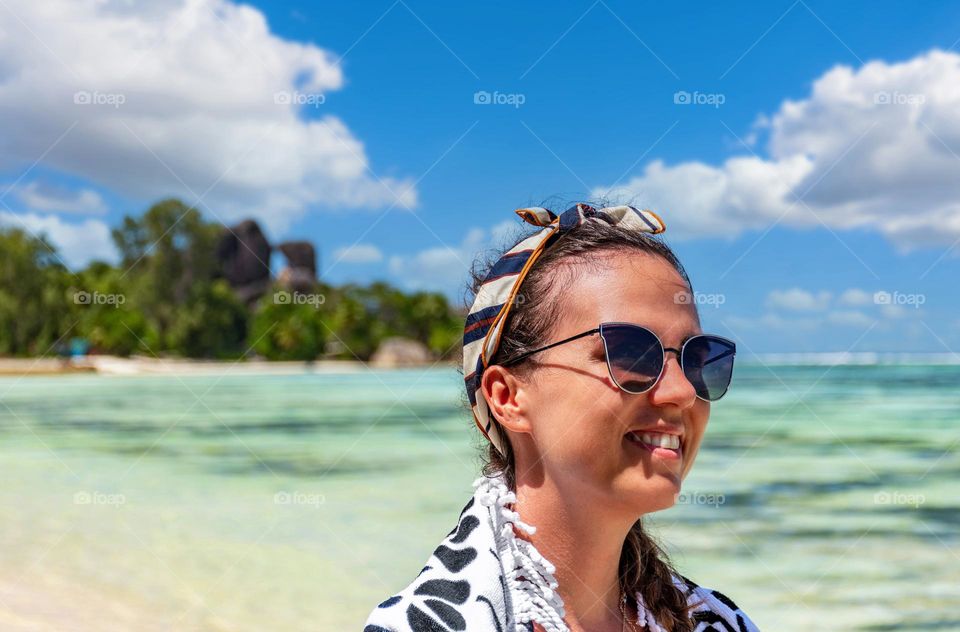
(506, 398)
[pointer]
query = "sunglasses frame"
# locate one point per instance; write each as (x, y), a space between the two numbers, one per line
(663, 365)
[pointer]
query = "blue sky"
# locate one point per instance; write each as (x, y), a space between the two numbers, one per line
(813, 165)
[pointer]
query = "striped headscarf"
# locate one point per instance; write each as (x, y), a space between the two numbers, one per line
(498, 292)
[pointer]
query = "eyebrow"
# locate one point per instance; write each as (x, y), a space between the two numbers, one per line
(687, 335)
(690, 333)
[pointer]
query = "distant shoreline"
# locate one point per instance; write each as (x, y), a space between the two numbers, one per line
(141, 365)
(849, 358)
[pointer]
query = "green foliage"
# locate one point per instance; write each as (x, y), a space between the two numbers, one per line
(286, 330)
(435, 323)
(169, 256)
(357, 330)
(34, 313)
(446, 336)
(211, 323)
(106, 318)
(166, 297)
(362, 317)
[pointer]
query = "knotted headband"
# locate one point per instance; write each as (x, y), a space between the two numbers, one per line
(498, 292)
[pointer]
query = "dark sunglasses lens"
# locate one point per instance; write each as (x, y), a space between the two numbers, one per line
(634, 355)
(708, 364)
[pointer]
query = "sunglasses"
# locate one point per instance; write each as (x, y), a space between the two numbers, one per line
(636, 358)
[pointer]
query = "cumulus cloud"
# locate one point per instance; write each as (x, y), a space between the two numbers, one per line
(358, 253)
(41, 197)
(797, 309)
(894, 311)
(773, 322)
(445, 268)
(76, 243)
(855, 297)
(850, 318)
(797, 299)
(194, 98)
(876, 147)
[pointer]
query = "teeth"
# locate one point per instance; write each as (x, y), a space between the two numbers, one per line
(658, 439)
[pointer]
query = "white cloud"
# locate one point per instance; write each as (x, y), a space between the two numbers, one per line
(796, 299)
(446, 268)
(358, 253)
(151, 99)
(437, 268)
(774, 322)
(855, 297)
(76, 243)
(877, 148)
(39, 197)
(810, 310)
(894, 311)
(850, 318)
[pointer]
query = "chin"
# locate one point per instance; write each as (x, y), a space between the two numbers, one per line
(655, 494)
(666, 497)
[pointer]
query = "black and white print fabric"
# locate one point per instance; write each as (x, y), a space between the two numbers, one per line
(482, 578)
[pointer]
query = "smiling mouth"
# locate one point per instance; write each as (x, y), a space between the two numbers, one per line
(659, 443)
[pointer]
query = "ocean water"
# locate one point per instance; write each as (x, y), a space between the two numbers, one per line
(822, 498)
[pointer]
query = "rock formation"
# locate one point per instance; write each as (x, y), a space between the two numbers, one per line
(397, 351)
(300, 275)
(244, 256)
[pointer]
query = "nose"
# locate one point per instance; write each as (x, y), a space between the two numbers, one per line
(673, 387)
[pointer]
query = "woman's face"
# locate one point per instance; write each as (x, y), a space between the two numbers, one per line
(576, 419)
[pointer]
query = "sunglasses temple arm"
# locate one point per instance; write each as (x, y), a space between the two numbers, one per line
(719, 357)
(549, 346)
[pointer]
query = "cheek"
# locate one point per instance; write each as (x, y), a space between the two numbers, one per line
(697, 428)
(577, 421)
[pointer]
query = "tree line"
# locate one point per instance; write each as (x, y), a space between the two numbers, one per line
(167, 297)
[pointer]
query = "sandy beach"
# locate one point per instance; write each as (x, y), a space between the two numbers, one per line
(143, 365)
(51, 603)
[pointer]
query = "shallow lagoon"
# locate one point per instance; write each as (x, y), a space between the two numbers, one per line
(297, 502)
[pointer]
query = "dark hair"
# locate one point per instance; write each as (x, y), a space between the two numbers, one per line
(644, 566)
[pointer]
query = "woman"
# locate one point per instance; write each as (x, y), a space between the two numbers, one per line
(590, 377)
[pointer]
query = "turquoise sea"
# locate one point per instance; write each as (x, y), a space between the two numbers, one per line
(823, 497)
